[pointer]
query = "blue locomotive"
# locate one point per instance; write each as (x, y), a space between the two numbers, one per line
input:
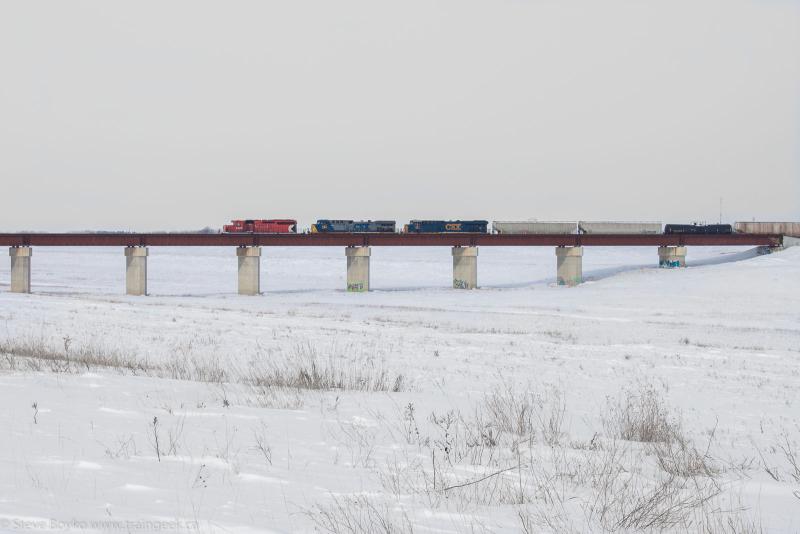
(339, 225)
(437, 227)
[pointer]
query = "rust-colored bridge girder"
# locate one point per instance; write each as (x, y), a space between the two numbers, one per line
(378, 240)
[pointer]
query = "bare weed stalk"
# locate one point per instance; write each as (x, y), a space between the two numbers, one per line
(641, 416)
(358, 514)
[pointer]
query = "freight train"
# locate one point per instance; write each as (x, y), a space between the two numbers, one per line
(282, 226)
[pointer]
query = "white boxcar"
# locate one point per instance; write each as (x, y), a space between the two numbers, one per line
(609, 227)
(533, 227)
(783, 228)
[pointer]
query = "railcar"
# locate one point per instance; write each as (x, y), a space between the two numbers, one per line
(261, 226)
(792, 229)
(533, 227)
(439, 227)
(612, 227)
(340, 225)
(698, 229)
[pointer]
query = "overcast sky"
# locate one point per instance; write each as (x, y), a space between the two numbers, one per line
(168, 115)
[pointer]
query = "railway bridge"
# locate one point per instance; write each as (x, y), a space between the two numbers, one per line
(568, 248)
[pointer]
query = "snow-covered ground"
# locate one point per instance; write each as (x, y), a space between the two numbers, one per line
(195, 409)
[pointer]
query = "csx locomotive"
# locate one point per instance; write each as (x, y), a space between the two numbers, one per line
(440, 227)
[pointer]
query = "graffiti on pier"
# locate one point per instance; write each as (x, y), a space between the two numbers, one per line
(356, 287)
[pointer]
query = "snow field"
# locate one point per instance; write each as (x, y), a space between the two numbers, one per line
(412, 406)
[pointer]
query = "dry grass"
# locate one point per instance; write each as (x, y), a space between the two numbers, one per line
(510, 449)
(304, 368)
(325, 374)
(679, 457)
(641, 415)
(506, 409)
(791, 454)
(269, 397)
(358, 514)
(628, 503)
(513, 450)
(37, 355)
(301, 369)
(738, 521)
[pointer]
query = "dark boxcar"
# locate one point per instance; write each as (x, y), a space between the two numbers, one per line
(341, 225)
(438, 227)
(698, 229)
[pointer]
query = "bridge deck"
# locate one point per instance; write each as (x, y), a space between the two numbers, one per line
(376, 239)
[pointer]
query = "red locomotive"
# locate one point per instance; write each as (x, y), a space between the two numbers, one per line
(261, 226)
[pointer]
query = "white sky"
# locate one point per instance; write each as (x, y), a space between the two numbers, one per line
(170, 115)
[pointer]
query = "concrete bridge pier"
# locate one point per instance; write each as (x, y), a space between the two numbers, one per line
(671, 257)
(249, 270)
(465, 267)
(357, 268)
(789, 241)
(569, 266)
(20, 269)
(136, 270)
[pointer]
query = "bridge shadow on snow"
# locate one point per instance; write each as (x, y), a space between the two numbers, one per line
(595, 275)
(727, 257)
